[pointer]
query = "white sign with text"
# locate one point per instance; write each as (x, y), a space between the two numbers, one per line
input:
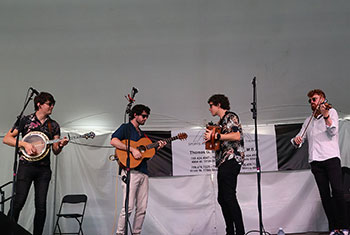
(191, 158)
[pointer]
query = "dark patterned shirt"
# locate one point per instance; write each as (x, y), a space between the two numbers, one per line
(32, 123)
(230, 149)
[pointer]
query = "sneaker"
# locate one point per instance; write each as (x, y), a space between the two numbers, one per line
(335, 232)
(344, 231)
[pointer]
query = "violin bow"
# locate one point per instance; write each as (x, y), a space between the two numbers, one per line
(313, 113)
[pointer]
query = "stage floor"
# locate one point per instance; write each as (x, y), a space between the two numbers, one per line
(309, 233)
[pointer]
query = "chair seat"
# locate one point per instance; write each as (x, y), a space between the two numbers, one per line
(70, 215)
(72, 203)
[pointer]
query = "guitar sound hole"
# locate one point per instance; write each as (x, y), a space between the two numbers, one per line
(142, 149)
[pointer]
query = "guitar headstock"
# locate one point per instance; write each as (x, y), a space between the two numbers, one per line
(89, 135)
(182, 136)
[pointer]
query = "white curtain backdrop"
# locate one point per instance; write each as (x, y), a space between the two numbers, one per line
(177, 205)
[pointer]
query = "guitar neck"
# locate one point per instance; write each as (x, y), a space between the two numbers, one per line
(155, 144)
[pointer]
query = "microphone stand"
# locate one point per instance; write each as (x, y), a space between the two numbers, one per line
(127, 179)
(258, 167)
(19, 124)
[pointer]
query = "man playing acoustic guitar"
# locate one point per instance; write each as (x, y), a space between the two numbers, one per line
(138, 194)
(39, 171)
(229, 158)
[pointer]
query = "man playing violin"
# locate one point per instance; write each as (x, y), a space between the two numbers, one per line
(321, 130)
(37, 172)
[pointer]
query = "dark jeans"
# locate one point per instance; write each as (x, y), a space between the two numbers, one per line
(328, 176)
(227, 183)
(41, 176)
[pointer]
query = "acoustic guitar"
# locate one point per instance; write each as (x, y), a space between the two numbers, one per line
(212, 143)
(42, 144)
(145, 146)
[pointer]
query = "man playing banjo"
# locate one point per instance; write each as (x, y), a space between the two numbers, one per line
(38, 170)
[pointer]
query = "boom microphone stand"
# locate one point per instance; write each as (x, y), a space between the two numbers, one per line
(127, 179)
(18, 124)
(258, 169)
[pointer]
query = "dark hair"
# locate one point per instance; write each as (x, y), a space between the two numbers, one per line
(42, 98)
(220, 99)
(138, 109)
(317, 92)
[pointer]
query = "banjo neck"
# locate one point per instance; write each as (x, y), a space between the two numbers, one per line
(69, 138)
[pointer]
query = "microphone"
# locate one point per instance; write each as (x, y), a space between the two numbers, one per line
(254, 81)
(131, 98)
(34, 90)
(133, 92)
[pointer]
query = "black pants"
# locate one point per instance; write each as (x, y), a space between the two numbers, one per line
(227, 183)
(41, 176)
(328, 176)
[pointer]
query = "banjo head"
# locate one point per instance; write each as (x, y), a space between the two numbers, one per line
(39, 140)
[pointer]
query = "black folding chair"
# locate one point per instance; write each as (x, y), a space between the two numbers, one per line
(66, 211)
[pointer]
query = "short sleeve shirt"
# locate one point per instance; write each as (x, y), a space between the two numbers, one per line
(230, 149)
(122, 134)
(31, 123)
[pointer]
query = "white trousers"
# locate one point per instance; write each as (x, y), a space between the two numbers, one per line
(138, 197)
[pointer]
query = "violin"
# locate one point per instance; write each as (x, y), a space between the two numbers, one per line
(317, 111)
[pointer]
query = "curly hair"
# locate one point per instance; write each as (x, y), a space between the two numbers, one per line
(138, 109)
(42, 98)
(317, 92)
(220, 99)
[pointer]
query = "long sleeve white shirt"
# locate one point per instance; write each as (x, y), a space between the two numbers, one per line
(322, 139)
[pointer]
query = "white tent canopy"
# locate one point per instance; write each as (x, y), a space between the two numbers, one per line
(89, 54)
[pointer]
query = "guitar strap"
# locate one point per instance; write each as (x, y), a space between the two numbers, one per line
(50, 128)
(146, 135)
(227, 112)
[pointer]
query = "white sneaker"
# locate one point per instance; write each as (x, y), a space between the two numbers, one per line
(344, 231)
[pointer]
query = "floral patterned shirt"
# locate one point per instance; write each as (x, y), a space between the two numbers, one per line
(230, 149)
(32, 123)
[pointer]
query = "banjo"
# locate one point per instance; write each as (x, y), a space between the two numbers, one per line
(42, 144)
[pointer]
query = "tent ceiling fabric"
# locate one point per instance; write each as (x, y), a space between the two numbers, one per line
(89, 54)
